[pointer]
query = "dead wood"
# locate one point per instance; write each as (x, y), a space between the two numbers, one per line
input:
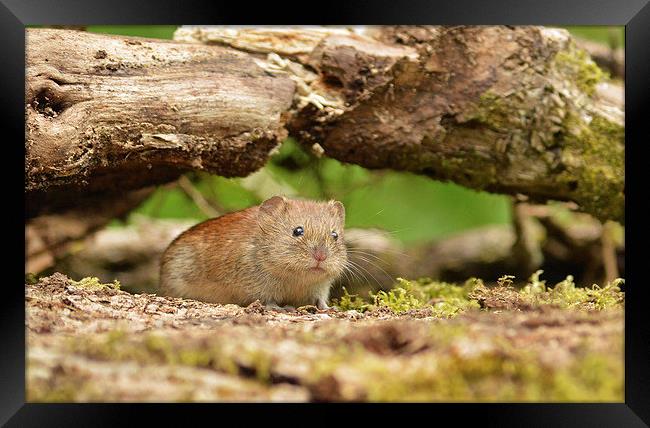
(503, 109)
(107, 113)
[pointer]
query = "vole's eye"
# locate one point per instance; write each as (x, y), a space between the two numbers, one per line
(298, 231)
(335, 235)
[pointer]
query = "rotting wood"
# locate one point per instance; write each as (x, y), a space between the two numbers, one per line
(107, 113)
(503, 109)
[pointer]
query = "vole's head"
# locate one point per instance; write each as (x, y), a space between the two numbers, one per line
(302, 239)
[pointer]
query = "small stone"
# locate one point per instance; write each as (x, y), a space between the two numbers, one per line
(311, 309)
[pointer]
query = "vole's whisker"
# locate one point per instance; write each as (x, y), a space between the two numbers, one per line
(372, 263)
(384, 250)
(353, 275)
(379, 284)
(350, 275)
(374, 231)
(365, 270)
(354, 271)
(365, 253)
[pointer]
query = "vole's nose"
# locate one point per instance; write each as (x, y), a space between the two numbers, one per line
(320, 254)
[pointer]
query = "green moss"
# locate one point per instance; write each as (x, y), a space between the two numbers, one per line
(59, 393)
(114, 345)
(578, 64)
(594, 147)
(93, 283)
(535, 286)
(348, 302)
(397, 300)
(460, 369)
(443, 299)
(31, 278)
(261, 362)
(158, 349)
(447, 300)
(497, 377)
(505, 280)
(591, 145)
(194, 358)
(467, 370)
(565, 294)
(595, 161)
(496, 112)
(161, 347)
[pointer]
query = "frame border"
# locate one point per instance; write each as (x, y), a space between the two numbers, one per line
(634, 14)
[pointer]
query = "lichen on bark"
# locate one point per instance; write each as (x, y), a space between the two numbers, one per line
(581, 143)
(503, 109)
(488, 108)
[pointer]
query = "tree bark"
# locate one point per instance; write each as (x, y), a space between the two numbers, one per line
(105, 113)
(503, 109)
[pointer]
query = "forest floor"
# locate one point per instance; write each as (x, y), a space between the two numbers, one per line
(88, 341)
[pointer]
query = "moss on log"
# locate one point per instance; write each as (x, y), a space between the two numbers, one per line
(502, 109)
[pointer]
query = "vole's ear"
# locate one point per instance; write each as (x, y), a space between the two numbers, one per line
(273, 204)
(338, 208)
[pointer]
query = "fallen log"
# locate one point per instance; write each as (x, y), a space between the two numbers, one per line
(502, 109)
(107, 113)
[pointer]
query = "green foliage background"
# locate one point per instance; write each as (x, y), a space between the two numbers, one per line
(412, 207)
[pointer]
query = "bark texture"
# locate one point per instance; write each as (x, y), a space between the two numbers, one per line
(106, 113)
(493, 108)
(502, 109)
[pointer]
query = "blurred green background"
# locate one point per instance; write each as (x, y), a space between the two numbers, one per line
(411, 207)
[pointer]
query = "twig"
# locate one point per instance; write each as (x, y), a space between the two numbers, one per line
(197, 197)
(609, 252)
(526, 248)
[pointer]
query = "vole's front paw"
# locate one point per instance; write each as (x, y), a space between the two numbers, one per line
(322, 304)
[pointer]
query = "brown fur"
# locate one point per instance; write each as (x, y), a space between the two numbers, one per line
(252, 254)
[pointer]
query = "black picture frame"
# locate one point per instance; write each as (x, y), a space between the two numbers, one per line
(635, 15)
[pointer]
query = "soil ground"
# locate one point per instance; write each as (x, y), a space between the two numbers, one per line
(93, 342)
